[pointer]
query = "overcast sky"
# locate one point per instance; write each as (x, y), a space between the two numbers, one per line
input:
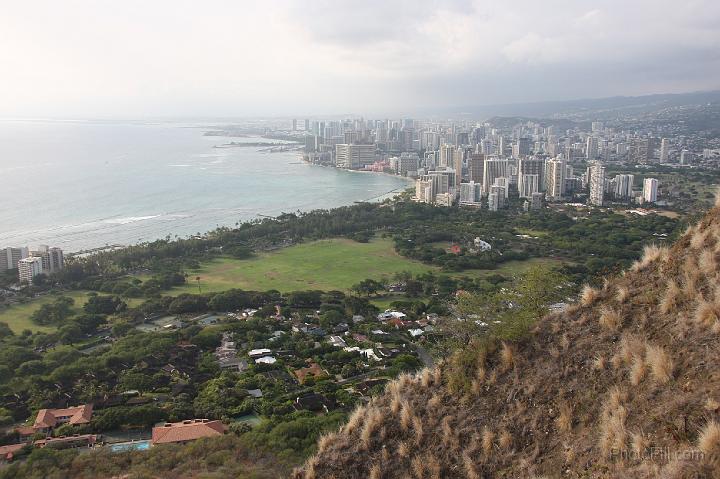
(144, 58)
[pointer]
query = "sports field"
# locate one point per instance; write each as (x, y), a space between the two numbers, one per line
(334, 264)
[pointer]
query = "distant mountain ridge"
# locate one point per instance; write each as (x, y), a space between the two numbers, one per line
(623, 384)
(598, 107)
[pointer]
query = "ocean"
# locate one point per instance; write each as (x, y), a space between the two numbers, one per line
(87, 184)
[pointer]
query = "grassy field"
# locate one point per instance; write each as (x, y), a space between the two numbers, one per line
(325, 264)
(18, 316)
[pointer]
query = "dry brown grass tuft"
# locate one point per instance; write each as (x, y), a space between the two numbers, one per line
(418, 466)
(505, 440)
(426, 378)
(706, 314)
(487, 441)
(469, 466)
(564, 420)
(709, 439)
(325, 440)
(507, 357)
(639, 443)
(610, 319)
(637, 370)
(660, 362)
(418, 430)
(433, 466)
(373, 421)
(589, 295)
(447, 430)
(403, 449)
(613, 434)
(355, 419)
(622, 294)
(375, 472)
(406, 415)
(435, 401)
(651, 253)
(671, 298)
(697, 241)
(437, 376)
(707, 263)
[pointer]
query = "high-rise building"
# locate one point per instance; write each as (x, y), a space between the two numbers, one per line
(476, 167)
(664, 150)
(408, 162)
(470, 193)
(624, 186)
(528, 185)
(494, 168)
(354, 156)
(555, 173)
(591, 148)
(531, 166)
(521, 148)
(458, 164)
(596, 126)
(496, 197)
(9, 257)
(650, 190)
(447, 155)
(685, 157)
(597, 184)
(294, 124)
(307, 124)
(641, 149)
(53, 259)
(29, 267)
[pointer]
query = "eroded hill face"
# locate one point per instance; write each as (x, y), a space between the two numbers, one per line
(626, 383)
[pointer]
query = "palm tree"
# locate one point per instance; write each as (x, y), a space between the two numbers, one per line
(197, 278)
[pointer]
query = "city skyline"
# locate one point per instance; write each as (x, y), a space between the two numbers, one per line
(219, 58)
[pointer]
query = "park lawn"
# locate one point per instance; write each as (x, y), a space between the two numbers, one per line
(333, 264)
(17, 316)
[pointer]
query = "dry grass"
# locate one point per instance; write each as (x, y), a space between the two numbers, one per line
(426, 378)
(698, 239)
(651, 253)
(709, 439)
(712, 405)
(564, 420)
(707, 263)
(403, 449)
(487, 439)
(471, 471)
(706, 314)
(505, 440)
(373, 421)
(622, 294)
(418, 430)
(589, 295)
(375, 472)
(637, 370)
(355, 419)
(507, 357)
(406, 415)
(610, 319)
(660, 362)
(638, 443)
(613, 434)
(671, 298)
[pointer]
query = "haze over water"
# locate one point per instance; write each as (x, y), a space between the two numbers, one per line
(80, 185)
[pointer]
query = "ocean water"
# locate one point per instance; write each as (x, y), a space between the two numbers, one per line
(81, 184)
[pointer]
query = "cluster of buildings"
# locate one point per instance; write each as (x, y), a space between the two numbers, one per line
(30, 263)
(484, 164)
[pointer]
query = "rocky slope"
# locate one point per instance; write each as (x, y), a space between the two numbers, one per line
(626, 383)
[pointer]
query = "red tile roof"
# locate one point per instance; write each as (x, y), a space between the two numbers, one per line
(49, 417)
(89, 439)
(7, 452)
(188, 430)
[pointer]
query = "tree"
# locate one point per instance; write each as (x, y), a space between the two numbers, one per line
(105, 305)
(54, 313)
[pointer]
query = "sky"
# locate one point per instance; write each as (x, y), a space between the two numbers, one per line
(239, 58)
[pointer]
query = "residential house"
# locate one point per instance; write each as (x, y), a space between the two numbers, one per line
(186, 431)
(48, 419)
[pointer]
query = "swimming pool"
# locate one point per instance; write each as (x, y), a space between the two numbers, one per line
(130, 446)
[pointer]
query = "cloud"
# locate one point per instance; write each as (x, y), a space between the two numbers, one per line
(229, 58)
